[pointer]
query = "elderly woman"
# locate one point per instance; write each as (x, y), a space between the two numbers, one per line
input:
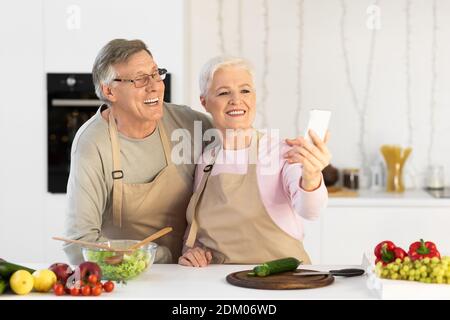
(123, 183)
(241, 212)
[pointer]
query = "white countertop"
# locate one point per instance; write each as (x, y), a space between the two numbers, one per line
(409, 198)
(174, 282)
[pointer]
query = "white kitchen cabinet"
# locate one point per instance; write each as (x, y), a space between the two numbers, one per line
(351, 226)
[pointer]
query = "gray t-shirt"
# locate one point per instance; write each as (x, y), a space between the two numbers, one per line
(89, 189)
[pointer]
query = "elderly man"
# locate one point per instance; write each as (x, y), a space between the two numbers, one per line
(123, 183)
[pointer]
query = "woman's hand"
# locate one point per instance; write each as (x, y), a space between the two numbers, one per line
(313, 156)
(195, 257)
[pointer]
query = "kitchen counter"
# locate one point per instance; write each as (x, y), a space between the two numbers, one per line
(174, 282)
(374, 216)
(409, 198)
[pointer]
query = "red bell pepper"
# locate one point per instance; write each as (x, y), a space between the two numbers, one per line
(421, 249)
(399, 253)
(387, 252)
(384, 252)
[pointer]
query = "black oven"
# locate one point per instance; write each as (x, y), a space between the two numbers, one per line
(71, 101)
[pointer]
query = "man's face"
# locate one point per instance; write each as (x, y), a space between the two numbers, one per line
(140, 104)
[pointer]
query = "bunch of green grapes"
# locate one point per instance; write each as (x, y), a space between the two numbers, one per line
(426, 270)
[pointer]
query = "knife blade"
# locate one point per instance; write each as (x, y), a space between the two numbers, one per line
(340, 273)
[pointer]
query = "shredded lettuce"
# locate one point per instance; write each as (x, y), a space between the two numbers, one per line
(130, 267)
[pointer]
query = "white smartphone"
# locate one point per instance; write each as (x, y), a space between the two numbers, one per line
(318, 122)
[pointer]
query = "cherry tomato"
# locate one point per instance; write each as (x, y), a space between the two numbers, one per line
(96, 291)
(98, 284)
(108, 286)
(86, 290)
(92, 279)
(58, 289)
(74, 291)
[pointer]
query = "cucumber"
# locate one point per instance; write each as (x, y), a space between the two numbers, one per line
(7, 269)
(275, 266)
(3, 285)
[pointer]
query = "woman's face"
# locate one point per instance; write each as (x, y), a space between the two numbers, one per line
(231, 98)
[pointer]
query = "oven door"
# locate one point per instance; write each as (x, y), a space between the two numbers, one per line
(65, 118)
(71, 101)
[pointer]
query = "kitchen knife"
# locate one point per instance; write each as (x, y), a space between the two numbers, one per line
(340, 273)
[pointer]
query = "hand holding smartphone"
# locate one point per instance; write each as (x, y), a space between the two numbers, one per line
(318, 122)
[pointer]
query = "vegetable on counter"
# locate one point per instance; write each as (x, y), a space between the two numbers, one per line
(386, 252)
(3, 285)
(60, 276)
(423, 263)
(426, 270)
(8, 268)
(421, 249)
(131, 266)
(275, 266)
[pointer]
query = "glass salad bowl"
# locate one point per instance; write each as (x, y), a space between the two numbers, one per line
(121, 266)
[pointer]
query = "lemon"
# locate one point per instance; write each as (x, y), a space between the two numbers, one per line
(44, 280)
(21, 282)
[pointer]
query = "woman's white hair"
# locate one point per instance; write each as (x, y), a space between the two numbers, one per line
(209, 69)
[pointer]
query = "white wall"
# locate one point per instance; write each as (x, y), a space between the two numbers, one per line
(158, 23)
(36, 40)
(40, 37)
(22, 131)
(323, 79)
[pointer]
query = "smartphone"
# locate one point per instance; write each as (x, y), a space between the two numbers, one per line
(318, 122)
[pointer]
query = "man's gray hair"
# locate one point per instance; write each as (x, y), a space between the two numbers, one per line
(209, 69)
(115, 51)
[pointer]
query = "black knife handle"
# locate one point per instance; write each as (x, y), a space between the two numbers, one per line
(347, 272)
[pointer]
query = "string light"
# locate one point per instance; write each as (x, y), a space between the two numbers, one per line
(265, 63)
(410, 168)
(220, 26)
(359, 100)
(363, 108)
(433, 83)
(408, 72)
(300, 26)
(240, 27)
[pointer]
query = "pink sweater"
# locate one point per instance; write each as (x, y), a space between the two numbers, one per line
(278, 183)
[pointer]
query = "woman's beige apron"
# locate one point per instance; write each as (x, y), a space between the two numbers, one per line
(227, 215)
(140, 209)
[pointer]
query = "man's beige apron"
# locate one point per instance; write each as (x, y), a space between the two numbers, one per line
(140, 209)
(228, 216)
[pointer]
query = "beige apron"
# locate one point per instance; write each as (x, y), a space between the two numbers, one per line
(228, 216)
(140, 209)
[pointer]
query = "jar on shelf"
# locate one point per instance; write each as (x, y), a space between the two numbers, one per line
(435, 178)
(351, 178)
(395, 157)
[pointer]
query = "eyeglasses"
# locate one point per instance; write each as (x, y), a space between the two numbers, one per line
(144, 80)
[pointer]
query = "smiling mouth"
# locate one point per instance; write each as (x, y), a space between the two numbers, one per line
(236, 113)
(151, 102)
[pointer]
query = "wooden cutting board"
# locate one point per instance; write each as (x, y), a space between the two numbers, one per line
(338, 192)
(280, 281)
